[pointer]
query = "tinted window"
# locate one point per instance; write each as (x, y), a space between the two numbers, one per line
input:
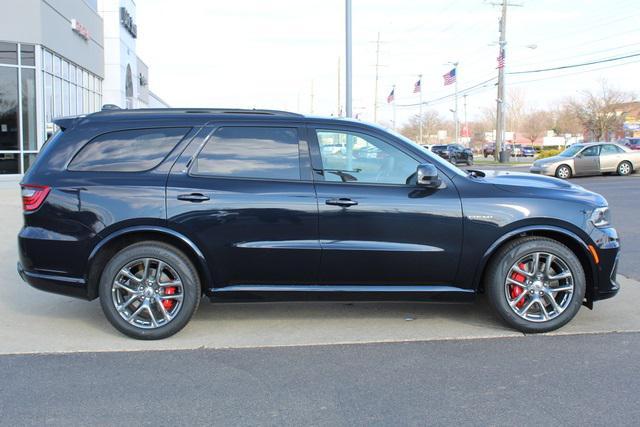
(8, 53)
(355, 157)
(610, 149)
(128, 150)
(251, 152)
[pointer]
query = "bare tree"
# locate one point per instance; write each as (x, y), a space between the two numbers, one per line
(536, 124)
(597, 110)
(431, 123)
(565, 119)
(516, 109)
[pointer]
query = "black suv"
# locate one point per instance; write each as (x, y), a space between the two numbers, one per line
(149, 210)
(454, 153)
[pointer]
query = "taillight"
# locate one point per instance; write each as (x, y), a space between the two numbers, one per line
(33, 196)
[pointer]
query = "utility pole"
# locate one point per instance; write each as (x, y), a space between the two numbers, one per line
(375, 90)
(420, 80)
(339, 108)
(348, 59)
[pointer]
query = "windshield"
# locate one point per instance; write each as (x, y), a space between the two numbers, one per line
(432, 157)
(571, 151)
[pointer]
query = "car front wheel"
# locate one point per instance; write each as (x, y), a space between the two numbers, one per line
(535, 284)
(149, 290)
(563, 172)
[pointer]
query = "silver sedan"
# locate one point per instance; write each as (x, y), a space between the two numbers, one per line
(589, 159)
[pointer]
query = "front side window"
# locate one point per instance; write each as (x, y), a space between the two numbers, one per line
(250, 152)
(356, 157)
(592, 151)
(127, 150)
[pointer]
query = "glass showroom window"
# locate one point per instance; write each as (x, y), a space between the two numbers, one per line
(18, 114)
(68, 90)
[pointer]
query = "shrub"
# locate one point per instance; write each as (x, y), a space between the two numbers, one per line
(548, 153)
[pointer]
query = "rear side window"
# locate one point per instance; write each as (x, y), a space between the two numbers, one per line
(128, 150)
(250, 152)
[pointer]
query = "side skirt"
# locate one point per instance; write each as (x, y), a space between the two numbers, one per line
(248, 293)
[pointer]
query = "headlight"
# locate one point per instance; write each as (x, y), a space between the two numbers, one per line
(600, 217)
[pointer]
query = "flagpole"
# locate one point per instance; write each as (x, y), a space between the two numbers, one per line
(394, 107)
(420, 80)
(455, 118)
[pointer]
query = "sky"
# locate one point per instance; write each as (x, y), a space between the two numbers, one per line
(285, 54)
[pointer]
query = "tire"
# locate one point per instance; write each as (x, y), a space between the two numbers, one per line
(563, 172)
(470, 161)
(453, 160)
(499, 289)
(183, 298)
(624, 168)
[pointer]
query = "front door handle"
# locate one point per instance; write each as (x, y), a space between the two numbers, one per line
(342, 201)
(193, 197)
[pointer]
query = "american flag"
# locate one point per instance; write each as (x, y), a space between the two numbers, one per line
(450, 77)
(416, 87)
(391, 96)
(500, 59)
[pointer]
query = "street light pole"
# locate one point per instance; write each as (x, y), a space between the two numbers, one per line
(500, 116)
(420, 80)
(348, 59)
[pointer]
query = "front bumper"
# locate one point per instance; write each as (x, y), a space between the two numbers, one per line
(540, 170)
(608, 250)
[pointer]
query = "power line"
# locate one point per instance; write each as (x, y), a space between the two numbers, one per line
(618, 58)
(575, 72)
(463, 91)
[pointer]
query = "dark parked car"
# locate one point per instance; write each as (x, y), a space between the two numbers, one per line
(454, 153)
(149, 210)
(489, 149)
(633, 143)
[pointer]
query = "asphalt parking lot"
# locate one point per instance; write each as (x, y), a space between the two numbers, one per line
(320, 363)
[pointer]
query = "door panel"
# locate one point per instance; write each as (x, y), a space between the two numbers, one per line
(610, 157)
(253, 229)
(588, 161)
(374, 229)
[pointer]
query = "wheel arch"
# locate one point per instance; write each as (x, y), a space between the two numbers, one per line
(574, 242)
(108, 246)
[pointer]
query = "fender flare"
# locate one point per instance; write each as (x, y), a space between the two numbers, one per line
(529, 228)
(201, 260)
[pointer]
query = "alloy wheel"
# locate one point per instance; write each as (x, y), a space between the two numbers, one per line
(564, 172)
(147, 293)
(624, 169)
(539, 287)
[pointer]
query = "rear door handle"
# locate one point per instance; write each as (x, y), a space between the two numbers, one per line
(342, 201)
(193, 197)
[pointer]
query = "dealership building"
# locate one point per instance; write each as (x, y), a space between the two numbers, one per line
(61, 58)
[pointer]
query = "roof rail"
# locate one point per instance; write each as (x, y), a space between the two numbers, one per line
(108, 109)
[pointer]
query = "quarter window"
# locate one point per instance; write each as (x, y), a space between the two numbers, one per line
(128, 150)
(356, 157)
(250, 152)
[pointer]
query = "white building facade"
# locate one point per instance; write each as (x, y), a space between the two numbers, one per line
(126, 77)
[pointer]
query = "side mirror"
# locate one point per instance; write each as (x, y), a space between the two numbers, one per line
(427, 176)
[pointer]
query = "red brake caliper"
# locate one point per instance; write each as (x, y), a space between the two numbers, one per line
(168, 303)
(515, 290)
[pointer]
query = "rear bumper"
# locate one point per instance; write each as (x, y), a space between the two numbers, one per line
(70, 286)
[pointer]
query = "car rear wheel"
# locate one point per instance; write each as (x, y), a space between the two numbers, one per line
(624, 168)
(149, 290)
(470, 161)
(563, 172)
(535, 284)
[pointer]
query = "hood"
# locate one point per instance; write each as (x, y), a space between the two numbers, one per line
(519, 179)
(549, 160)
